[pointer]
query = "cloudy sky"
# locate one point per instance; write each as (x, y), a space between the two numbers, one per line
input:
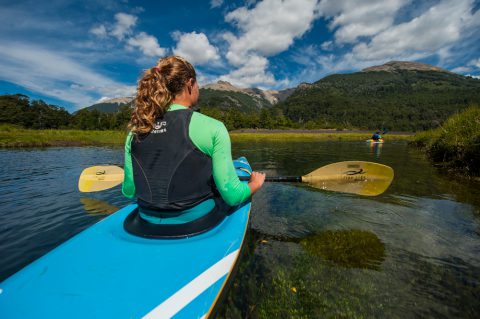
(76, 53)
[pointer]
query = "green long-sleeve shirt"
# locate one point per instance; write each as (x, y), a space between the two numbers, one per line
(211, 137)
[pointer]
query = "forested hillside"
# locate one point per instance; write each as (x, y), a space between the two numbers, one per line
(231, 100)
(19, 110)
(407, 100)
(112, 105)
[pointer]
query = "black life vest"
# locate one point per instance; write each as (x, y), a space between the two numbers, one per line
(170, 173)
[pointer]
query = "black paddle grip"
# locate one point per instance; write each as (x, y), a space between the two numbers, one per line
(294, 179)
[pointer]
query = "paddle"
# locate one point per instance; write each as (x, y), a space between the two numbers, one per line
(99, 178)
(355, 177)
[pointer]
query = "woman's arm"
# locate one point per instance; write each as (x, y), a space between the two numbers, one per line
(233, 191)
(211, 137)
(128, 186)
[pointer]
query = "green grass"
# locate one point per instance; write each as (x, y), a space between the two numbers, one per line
(456, 144)
(14, 136)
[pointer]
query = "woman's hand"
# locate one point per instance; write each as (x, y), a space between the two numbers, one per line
(256, 182)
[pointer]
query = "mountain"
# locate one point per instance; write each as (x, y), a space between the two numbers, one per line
(224, 95)
(272, 96)
(397, 95)
(281, 95)
(398, 66)
(111, 105)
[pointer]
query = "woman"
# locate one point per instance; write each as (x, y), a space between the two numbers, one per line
(177, 159)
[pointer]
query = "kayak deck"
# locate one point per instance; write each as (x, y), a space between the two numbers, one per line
(106, 272)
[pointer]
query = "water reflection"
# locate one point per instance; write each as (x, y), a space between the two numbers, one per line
(95, 206)
(376, 149)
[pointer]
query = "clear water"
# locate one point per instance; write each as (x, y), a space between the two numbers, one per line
(413, 251)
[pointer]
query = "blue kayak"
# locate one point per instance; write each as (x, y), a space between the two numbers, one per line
(107, 272)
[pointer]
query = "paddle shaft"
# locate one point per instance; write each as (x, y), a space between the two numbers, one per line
(280, 179)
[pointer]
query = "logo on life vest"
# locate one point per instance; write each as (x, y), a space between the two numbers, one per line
(159, 127)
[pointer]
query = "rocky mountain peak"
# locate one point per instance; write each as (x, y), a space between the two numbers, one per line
(118, 100)
(222, 86)
(395, 66)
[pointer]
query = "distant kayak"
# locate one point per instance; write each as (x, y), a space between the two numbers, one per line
(380, 141)
(109, 271)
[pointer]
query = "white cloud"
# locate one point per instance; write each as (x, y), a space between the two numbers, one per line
(425, 35)
(461, 69)
(215, 3)
(436, 31)
(122, 31)
(473, 76)
(266, 29)
(354, 19)
(252, 73)
(54, 74)
(475, 62)
(269, 28)
(148, 44)
(123, 26)
(196, 48)
(99, 31)
(327, 45)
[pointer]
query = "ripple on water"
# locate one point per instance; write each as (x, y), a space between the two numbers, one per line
(428, 224)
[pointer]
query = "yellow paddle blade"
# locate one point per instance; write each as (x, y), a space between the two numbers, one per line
(99, 178)
(355, 177)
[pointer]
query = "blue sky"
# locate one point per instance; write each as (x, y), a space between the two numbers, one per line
(76, 53)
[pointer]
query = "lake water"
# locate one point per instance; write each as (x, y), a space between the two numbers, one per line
(413, 251)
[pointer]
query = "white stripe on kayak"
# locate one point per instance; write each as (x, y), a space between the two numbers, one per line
(193, 289)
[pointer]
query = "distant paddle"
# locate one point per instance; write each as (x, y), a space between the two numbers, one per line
(354, 177)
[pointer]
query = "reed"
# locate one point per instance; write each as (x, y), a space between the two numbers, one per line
(455, 145)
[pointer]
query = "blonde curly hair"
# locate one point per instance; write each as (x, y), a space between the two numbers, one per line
(156, 89)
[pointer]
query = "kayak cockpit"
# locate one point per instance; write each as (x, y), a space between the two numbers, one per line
(135, 225)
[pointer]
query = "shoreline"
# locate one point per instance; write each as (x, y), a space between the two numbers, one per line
(14, 137)
(316, 131)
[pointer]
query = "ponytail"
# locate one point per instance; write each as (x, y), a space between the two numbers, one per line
(156, 90)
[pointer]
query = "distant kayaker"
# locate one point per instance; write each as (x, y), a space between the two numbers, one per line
(177, 160)
(376, 136)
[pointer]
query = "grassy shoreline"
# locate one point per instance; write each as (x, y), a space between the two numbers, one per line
(455, 146)
(15, 137)
(293, 135)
